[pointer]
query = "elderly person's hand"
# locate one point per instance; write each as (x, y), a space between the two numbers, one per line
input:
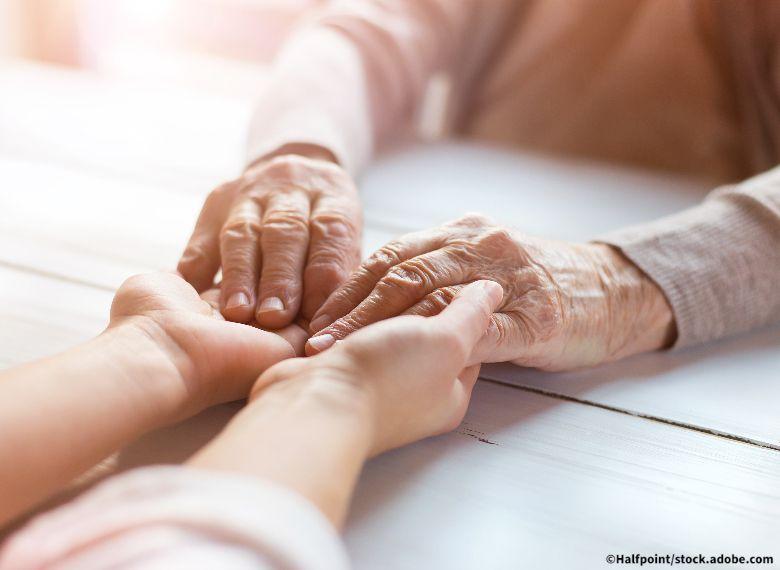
(202, 359)
(565, 305)
(404, 379)
(286, 234)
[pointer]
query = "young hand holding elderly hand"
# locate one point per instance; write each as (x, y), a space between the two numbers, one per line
(312, 422)
(565, 305)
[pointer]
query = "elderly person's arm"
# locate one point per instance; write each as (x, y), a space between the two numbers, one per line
(271, 489)
(705, 273)
(287, 232)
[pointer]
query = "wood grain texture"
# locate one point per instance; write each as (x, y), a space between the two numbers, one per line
(98, 229)
(156, 133)
(562, 486)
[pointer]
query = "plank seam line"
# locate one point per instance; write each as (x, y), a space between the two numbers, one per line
(675, 423)
(57, 276)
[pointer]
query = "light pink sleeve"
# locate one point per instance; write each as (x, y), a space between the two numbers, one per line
(178, 517)
(359, 70)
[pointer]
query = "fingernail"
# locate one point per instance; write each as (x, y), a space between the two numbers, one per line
(321, 342)
(270, 304)
(320, 323)
(239, 299)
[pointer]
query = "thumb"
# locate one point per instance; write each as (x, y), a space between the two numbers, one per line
(470, 311)
(242, 354)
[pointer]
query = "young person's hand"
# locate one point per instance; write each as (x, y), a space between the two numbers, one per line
(165, 355)
(286, 234)
(410, 377)
(203, 359)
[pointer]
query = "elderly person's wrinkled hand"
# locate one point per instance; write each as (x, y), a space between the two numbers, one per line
(565, 305)
(285, 234)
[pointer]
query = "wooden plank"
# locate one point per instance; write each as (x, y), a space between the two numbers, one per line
(726, 387)
(153, 132)
(527, 480)
(561, 486)
(94, 228)
(419, 186)
(41, 316)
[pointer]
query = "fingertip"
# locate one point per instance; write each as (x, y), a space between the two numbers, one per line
(270, 347)
(237, 307)
(319, 343)
(492, 290)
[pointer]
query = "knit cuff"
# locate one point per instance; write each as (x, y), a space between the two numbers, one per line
(717, 263)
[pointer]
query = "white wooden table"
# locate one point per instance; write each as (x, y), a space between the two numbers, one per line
(664, 453)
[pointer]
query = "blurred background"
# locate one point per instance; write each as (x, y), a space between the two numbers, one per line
(211, 44)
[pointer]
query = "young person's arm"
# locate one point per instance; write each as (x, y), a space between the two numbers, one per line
(268, 491)
(165, 356)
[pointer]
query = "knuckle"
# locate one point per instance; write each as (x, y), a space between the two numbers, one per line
(345, 326)
(220, 192)
(234, 270)
(286, 221)
(473, 220)
(386, 256)
(496, 237)
(240, 229)
(283, 166)
(194, 253)
(334, 225)
(409, 276)
(389, 253)
(441, 298)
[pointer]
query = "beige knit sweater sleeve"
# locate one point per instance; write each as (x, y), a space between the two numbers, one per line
(717, 263)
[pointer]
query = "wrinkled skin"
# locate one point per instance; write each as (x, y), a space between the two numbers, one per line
(409, 376)
(565, 305)
(286, 234)
(212, 360)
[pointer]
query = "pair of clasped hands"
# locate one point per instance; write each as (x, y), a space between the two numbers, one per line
(393, 344)
(404, 332)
